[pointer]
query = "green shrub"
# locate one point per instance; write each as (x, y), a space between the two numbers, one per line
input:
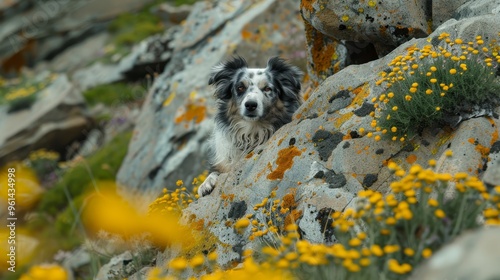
(112, 94)
(103, 165)
(435, 86)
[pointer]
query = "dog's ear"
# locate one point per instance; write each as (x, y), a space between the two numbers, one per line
(287, 76)
(222, 76)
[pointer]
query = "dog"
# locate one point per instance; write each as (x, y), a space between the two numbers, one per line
(252, 103)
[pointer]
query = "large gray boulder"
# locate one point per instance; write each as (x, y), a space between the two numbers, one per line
(176, 118)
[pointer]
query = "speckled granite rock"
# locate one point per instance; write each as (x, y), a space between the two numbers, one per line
(471, 256)
(323, 160)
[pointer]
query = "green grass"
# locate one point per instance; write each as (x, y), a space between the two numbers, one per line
(112, 94)
(103, 165)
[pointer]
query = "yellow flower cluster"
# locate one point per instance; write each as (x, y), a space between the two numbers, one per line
(249, 270)
(422, 82)
(388, 234)
(180, 198)
(46, 271)
(20, 93)
(43, 154)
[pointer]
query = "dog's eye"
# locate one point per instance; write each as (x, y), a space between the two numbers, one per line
(240, 89)
(267, 89)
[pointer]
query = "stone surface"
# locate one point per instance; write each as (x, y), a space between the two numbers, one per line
(87, 50)
(97, 74)
(341, 33)
(380, 23)
(443, 10)
(179, 105)
(329, 160)
(115, 267)
(38, 30)
(56, 119)
(474, 255)
(173, 14)
(478, 8)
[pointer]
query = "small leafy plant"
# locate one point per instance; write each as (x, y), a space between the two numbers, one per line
(21, 93)
(43, 162)
(437, 86)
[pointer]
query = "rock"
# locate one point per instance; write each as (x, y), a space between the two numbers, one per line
(56, 119)
(87, 50)
(172, 14)
(97, 74)
(323, 147)
(443, 10)
(76, 259)
(472, 255)
(383, 23)
(178, 106)
(477, 8)
(340, 33)
(33, 31)
(115, 267)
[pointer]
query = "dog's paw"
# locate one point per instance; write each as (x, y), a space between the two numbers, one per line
(208, 186)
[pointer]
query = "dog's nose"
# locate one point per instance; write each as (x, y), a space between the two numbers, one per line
(251, 105)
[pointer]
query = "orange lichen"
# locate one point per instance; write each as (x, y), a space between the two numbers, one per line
(284, 162)
(191, 112)
(229, 197)
(347, 136)
(307, 4)
(199, 224)
(322, 51)
(411, 159)
(292, 217)
(288, 200)
(307, 93)
(249, 155)
(245, 34)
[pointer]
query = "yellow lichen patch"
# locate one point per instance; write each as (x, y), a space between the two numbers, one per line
(192, 111)
(169, 99)
(342, 119)
(445, 138)
(229, 197)
(284, 162)
(361, 93)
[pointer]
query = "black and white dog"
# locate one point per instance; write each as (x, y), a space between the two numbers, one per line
(252, 104)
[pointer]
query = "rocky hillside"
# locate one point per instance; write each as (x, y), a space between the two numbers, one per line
(326, 155)
(392, 156)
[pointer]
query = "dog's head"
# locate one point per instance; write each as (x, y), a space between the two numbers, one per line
(254, 92)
